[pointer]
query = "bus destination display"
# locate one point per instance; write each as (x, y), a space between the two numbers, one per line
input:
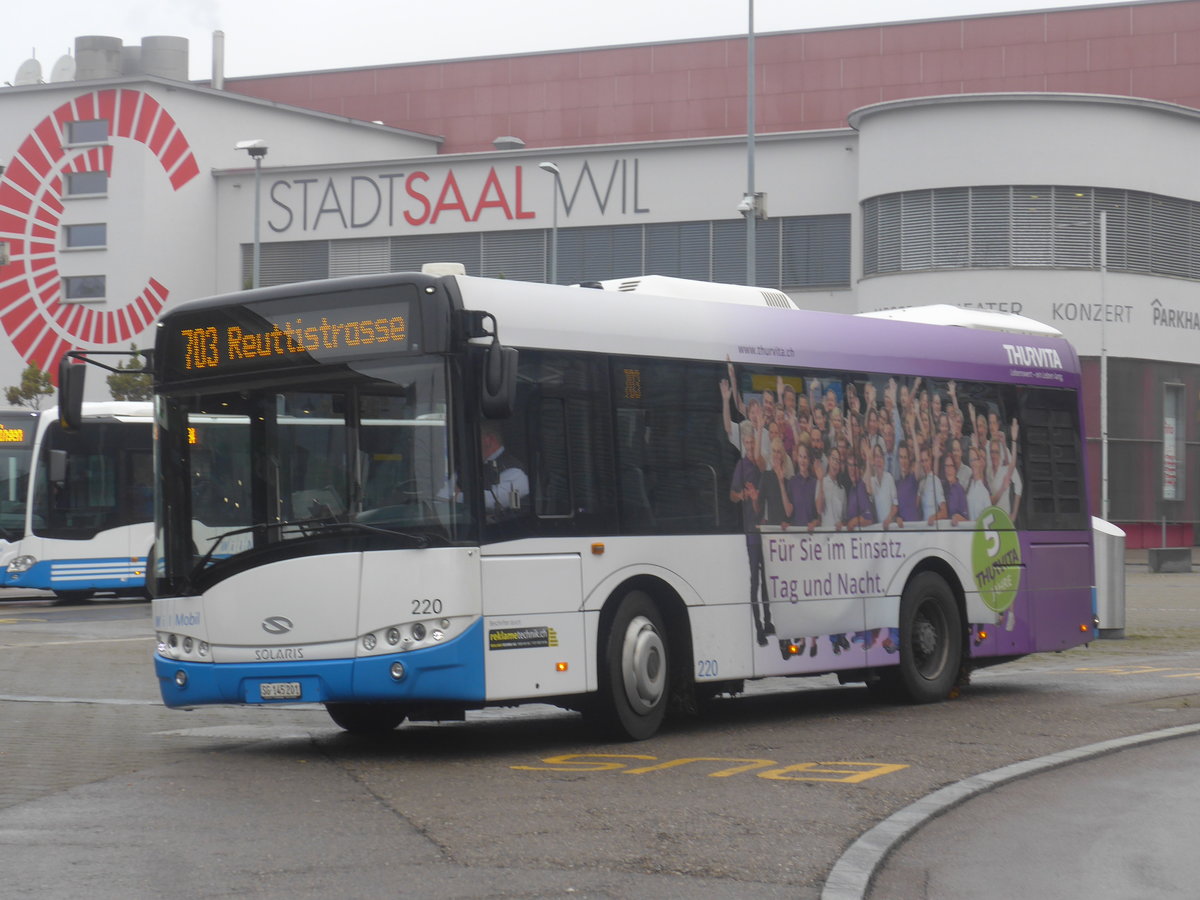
(219, 342)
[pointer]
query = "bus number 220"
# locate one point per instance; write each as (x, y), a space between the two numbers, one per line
(427, 607)
(706, 668)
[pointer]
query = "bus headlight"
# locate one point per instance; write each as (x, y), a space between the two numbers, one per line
(22, 563)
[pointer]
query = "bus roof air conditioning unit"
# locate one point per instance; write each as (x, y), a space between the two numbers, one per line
(687, 289)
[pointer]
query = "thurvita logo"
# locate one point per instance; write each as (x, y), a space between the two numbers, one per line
(996, 559)
(33, 309)
(1034, 357)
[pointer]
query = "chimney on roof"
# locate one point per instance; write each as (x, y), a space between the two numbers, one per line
(218, 61)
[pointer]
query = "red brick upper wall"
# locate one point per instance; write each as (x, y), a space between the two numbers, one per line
(805, 79)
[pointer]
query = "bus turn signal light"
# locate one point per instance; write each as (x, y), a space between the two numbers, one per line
(560, 667)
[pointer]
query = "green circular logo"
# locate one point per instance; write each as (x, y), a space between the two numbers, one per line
(996, 559)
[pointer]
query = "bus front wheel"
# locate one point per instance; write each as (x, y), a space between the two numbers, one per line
(71, 598)
(366, 718)
(931, 641)
(635, 673)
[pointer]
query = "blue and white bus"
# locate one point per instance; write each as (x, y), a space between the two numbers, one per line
(632, 503)
(77, 507)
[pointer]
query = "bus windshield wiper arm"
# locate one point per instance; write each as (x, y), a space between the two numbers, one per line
(421, 540)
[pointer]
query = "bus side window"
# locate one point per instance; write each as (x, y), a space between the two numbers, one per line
(552, 485)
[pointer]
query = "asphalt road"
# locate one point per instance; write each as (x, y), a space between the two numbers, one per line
(105, 792)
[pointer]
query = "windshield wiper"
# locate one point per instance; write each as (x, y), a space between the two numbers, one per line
(309, 526)
(422, 540)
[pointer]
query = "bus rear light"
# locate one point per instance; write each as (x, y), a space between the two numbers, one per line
(393, 636)
(369, 642)
(437, 634)
(418, 632)
(397, 671)
(181, 679)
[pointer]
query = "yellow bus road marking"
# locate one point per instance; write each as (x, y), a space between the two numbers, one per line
(1140, 670)
(840, 771)
(19, 621)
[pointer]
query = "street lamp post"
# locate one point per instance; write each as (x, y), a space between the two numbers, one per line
(751, 214)
(257, 149)
(1103, 366)
(553, 170)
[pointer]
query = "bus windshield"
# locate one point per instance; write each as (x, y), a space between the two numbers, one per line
(269, 470)
(93, 480)
(17, 429)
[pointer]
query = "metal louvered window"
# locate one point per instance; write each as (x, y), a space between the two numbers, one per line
(791, 253)
(408, 254)
(363, 256)
(286, 262)
(1034, 226)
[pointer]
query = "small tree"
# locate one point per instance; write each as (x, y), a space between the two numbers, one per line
(132, 382)
(35, 384)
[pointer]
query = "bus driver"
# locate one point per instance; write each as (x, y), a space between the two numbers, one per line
(505, 482)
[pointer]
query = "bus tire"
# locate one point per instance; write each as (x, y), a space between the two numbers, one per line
(635, 670)
(366, 718)
(71, 598)
(931, 641)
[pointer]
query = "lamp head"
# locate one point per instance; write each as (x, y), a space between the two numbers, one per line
(550, 167)
(257, 148)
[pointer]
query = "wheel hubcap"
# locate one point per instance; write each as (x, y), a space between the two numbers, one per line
(643, 668)
(929, 647)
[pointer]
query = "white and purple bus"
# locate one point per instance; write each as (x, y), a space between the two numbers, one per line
(77, 508)
(631, 503)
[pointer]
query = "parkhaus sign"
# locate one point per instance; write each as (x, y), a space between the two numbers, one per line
(449, 197)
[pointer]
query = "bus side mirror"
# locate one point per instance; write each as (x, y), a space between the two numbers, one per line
(70, 394)
(58, 466)
(498, 381)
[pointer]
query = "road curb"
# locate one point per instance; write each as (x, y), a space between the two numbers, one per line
(852, 875)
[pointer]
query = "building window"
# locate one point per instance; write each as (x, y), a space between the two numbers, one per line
(795, 253)
(84, 287)
(90, 236)
(82, 184)
(90, 131)
(1030, 226)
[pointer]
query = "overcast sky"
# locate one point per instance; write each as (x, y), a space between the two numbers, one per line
(267, 36)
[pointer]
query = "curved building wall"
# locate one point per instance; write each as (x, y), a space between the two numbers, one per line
(1079, 211)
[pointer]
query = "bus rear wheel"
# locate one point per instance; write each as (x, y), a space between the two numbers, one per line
(366, 718)
(931, 642)
(635, 671)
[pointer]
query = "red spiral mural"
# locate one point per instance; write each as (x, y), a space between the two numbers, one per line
(33, 311)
